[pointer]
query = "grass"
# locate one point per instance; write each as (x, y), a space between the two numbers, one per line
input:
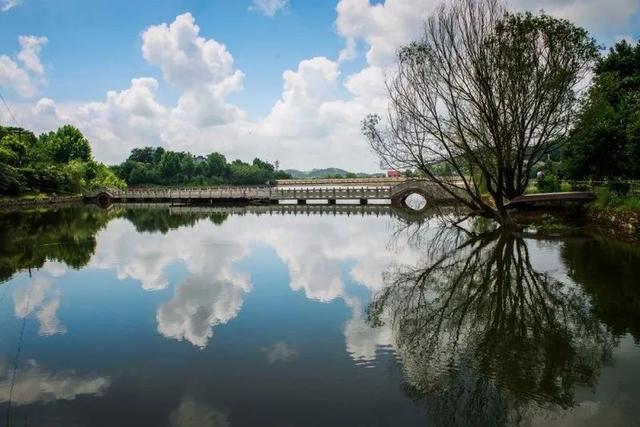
(26, 196)
(605, 198)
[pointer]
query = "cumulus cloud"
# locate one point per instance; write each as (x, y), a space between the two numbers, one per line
(31, 47)
(304, 90)
(596, 15)
(385, 26)
(42, 298)
(14, 77)
(35, 384)
(315, 121)
(24, 80)
(203, 69)
(314, 249)
(269, 7)
(363, 341)
(211, 294)
(7, 5)
(199, 304)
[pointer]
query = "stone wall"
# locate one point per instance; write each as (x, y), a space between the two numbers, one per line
(622, 222)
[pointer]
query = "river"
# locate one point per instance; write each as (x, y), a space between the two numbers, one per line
(343, 316)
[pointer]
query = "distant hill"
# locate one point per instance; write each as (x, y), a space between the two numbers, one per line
(325, 173)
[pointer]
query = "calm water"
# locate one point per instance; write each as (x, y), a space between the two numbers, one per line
(229, 318)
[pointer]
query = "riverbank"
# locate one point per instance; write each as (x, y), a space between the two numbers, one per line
(616, 223)
(40, 201)
(620, 223)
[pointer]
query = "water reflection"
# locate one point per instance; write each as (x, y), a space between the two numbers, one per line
(482, 333)
(43, 299)
(609, 272)
(481, 327)
(29, 238)
(36, 384)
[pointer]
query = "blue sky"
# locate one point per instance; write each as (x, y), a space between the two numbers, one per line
(107, 34)
(280, 79)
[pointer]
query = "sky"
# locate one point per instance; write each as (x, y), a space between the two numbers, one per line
(286, 80)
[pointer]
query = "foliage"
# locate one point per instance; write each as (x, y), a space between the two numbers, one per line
(157, 166)
(606, 198)
(56, 162)
(605, 142)
(66, 144)
(548, 184)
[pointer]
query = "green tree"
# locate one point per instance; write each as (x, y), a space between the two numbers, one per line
(217, 165)
(16, 149)
(605, 142)
(66, 144)
(169, 166)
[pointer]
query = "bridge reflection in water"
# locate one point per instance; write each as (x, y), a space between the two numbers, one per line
(405, 214)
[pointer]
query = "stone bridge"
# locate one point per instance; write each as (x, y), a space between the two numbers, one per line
(396, 192)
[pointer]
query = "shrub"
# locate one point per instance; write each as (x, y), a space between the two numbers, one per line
(619, 187)
(548, 184)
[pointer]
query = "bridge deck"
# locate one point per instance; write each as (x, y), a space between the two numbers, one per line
(396, 191)
(572, 196)
(252, 193)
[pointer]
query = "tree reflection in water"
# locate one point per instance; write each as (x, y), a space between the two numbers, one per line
(482, 335)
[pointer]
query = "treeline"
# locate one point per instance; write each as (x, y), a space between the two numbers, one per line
(56, 162)
(157, 166)
(605, 141)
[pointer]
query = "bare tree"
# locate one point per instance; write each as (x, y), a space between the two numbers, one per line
(484, 95)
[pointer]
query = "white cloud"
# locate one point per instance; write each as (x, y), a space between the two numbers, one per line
(385, 26)
(14, 77)
(598, 16)
(314, 123)
(202, 69)
(24, 80)
(304, 90)
(363, 341)
(35, 384)
(279, 352)
(269, 7)
(212, 294)
(40, 297)
(6, 5)
(30, 53)
(382, 26)
(200, 303)
(314, 249)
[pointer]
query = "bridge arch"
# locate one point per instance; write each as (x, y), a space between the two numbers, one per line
(401, 192)
(103, 198)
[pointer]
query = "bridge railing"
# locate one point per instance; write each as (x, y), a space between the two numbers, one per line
(254, 192)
